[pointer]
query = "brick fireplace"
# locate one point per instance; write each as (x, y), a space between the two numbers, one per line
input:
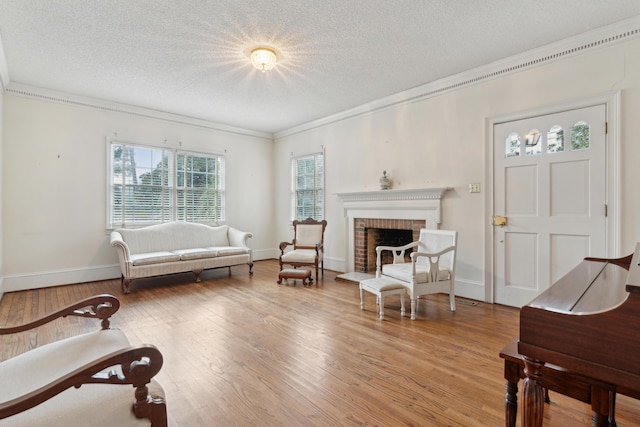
(372, 232)
(386, 210)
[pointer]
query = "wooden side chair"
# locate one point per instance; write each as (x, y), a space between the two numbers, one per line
(432, 266)
(308, 245)
(96, 378)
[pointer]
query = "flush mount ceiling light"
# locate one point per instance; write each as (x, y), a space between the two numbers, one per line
(263, 58)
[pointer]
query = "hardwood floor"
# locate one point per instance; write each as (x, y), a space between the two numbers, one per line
(245, 351)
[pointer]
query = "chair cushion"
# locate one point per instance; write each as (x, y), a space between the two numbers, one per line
(77, 407)
(380, 284)
(301, 255)
(404, 272)
(42, 365)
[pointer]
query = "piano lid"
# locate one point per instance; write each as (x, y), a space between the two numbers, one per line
(590, 328)
(591, 287)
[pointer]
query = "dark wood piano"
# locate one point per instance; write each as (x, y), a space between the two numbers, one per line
(589, 324)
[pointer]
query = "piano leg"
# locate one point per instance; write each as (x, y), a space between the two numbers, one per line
(532, 394)
(511, 404)
(612, 409)
(602, 407)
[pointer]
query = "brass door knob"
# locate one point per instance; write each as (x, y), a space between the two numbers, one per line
(499, 220)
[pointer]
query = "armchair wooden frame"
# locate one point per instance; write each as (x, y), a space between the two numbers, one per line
(307, 250)
(130, 365)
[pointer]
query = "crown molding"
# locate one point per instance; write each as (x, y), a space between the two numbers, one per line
(99, 104)
(602, 37)
(595, 39)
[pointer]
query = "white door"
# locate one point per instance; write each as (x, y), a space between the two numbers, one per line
(550, 181)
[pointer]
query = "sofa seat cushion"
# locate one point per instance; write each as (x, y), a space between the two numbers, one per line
(196, 253)
(154, 258)
(403, 272)
(229, 250)
(300, 255)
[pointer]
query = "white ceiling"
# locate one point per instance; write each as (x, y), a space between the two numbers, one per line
(191, 57)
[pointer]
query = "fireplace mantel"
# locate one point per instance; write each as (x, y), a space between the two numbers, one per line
(383, 195)
(423, 204)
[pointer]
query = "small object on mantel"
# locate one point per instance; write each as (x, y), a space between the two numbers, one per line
(385, 182)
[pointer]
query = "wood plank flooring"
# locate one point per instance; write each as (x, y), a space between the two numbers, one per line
(245, 351)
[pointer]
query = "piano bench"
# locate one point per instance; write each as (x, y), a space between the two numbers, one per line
(556, 379)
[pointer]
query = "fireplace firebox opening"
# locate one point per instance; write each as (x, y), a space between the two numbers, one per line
(372, 232)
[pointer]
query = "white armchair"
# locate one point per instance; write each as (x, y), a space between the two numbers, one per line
(432, 266)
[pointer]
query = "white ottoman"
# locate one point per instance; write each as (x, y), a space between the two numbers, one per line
(382, 287)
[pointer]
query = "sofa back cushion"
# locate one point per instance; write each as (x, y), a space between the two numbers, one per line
(173, 236)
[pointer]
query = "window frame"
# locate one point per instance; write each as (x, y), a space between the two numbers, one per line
(319, 186)
(169, 209)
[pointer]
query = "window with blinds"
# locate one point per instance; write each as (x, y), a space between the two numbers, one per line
(307, 193)
(152, 185)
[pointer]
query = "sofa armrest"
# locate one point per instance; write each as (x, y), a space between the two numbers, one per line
(99, 307)
(238, 238)
(121, 246)
(137, 366)
(124, 253)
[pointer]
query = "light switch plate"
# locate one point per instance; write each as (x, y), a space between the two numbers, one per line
(474, 187)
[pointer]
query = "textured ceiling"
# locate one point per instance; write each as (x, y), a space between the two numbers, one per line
(191, 57)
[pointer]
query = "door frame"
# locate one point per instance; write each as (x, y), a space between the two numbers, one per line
(613, 175)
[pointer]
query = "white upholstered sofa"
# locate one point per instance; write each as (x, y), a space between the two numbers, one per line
(177, 247)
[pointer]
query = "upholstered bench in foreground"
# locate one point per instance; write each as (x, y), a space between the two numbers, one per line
(94, 379)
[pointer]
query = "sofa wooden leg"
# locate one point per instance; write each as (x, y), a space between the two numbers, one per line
(197, 272)
(251, 269)
(125, 283)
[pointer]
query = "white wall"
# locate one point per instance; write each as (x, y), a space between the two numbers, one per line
(441, 141)
(1, 179)
(54, 185)
(53, 210)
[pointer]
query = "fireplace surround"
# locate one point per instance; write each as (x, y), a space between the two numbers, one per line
(413, 209)
(372, 232)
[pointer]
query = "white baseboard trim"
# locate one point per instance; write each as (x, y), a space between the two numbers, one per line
(334, 264)
(262, 254)
(469, 289)
(46, 279)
